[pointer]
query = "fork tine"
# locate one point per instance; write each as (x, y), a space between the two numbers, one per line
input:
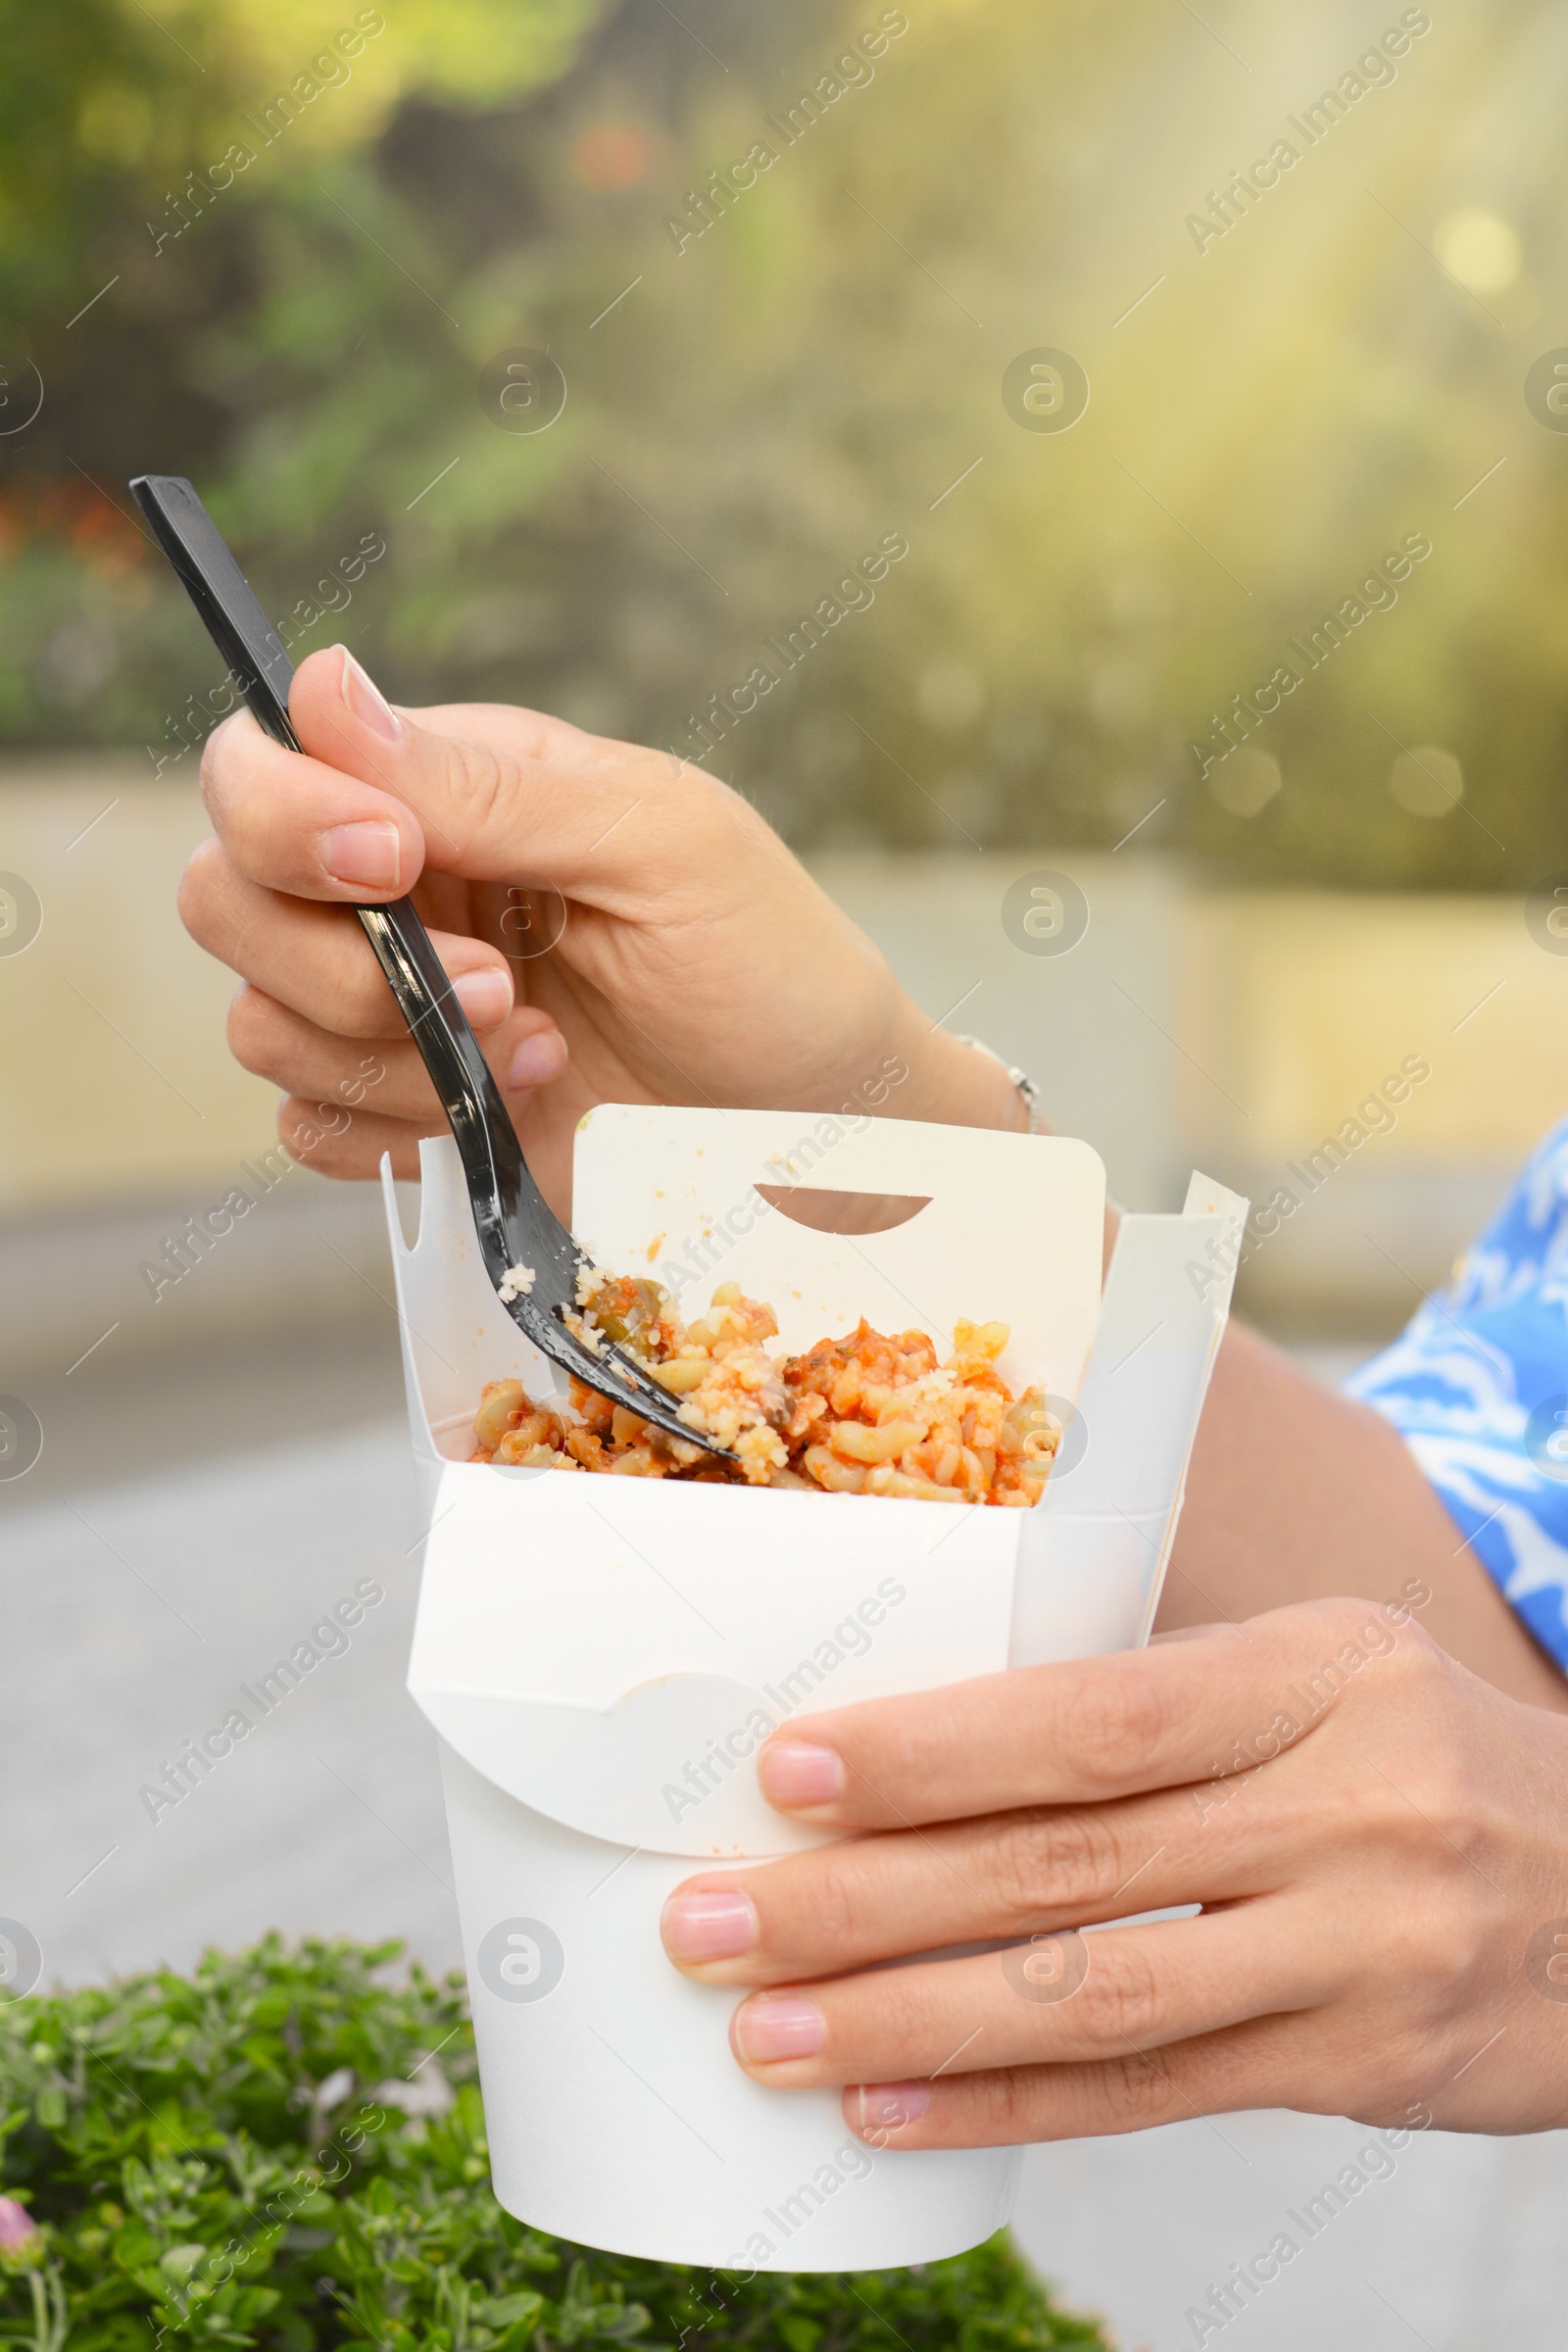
(609, 1371)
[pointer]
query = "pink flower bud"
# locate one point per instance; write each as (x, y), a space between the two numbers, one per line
(18, 2231)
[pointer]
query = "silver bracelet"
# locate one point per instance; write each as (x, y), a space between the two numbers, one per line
(1026, 1086)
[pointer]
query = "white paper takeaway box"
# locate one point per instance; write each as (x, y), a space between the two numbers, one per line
(601, 1657)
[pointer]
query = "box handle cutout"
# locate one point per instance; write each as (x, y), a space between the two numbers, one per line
(826, 1211)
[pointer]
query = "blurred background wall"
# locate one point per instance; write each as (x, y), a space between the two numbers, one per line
(1194, 1022)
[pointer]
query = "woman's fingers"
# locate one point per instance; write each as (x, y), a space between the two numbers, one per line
(332, 1140)
(275, 1043)
(316, 959)
(657, 888)
(867, 1899)
(1256, 2064)
(1106, 1995)
(1279, 2061)
(1094, 1729)
(376, 795)
(305, 825)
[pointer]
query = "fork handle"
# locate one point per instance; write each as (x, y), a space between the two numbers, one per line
(504, 1200)
(480, 1122)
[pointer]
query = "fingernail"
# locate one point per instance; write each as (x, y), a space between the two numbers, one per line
(709, 1927)
(367, 703)
(485, 996)
(889, 2106)
(369, 853)
(537, 1058)
(778, 2026)
(794, 1774)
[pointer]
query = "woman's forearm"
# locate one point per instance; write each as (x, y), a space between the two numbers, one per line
(1297, 1494)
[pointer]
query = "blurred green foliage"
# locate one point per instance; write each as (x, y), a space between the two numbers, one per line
(251, 2156)
(756, 401)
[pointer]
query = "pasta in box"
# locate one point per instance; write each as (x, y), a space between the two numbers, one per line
(603, 1655)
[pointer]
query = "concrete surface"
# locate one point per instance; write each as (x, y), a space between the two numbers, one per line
(137, 1613)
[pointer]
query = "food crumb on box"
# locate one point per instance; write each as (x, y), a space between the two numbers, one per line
(866, 1414)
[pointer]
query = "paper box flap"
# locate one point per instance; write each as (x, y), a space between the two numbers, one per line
(660, 1770)
(617, 1663)
(1101, 1536)
(1011, 1231)
(1163, 1309)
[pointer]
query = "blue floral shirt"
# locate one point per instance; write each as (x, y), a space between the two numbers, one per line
(1478, 1387)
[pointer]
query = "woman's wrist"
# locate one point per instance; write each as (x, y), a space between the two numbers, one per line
(956, 1083)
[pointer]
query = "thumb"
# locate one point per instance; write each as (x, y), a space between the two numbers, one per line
(488, 803)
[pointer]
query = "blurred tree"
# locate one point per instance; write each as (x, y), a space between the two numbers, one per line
(146, 231)
(785, 262)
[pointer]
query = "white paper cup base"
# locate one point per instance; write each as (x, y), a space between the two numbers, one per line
(617, 2115)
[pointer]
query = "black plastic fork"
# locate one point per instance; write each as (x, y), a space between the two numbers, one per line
(516, 1226)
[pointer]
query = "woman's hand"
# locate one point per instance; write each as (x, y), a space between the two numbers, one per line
(619, 928)
(1379, 1841)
